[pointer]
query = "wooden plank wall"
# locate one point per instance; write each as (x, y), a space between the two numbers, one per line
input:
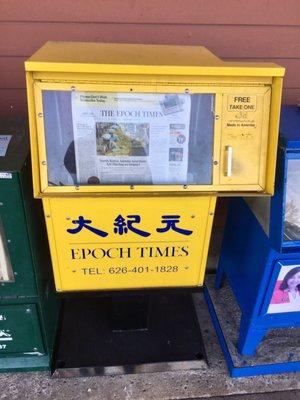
(233, 29)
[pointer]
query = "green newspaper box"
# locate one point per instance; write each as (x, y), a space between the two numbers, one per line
(28, 307)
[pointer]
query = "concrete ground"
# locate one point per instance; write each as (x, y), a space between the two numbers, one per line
(290, 395)
(163, 386)
(210, 381)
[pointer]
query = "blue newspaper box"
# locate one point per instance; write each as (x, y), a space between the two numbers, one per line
(260, 255)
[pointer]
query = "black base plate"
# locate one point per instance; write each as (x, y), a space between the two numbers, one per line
(98, 332)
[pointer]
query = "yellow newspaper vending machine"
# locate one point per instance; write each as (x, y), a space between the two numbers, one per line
(131, 144)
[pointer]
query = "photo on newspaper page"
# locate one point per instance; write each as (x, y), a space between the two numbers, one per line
(131, 138)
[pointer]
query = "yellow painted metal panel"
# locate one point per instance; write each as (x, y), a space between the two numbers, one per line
(33, 135)
(85, 259)
(122, 54)
(140, 59)
(52, 243)
(41, 138)
(140, 79)
(245, 119)
(264, 138)
(128, 190)
(273, 134)
(217, 140)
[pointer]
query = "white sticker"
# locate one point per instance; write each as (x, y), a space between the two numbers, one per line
(5, 175)
(5, 335)
(4, 142)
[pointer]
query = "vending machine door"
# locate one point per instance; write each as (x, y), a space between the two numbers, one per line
(91, 140)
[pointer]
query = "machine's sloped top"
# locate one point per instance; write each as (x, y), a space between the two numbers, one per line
(140, 59)
(290, 127)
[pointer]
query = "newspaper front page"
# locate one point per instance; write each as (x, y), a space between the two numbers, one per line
(131, 138)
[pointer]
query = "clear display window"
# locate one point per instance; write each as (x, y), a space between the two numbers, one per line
(95, 138)
(292, 202)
